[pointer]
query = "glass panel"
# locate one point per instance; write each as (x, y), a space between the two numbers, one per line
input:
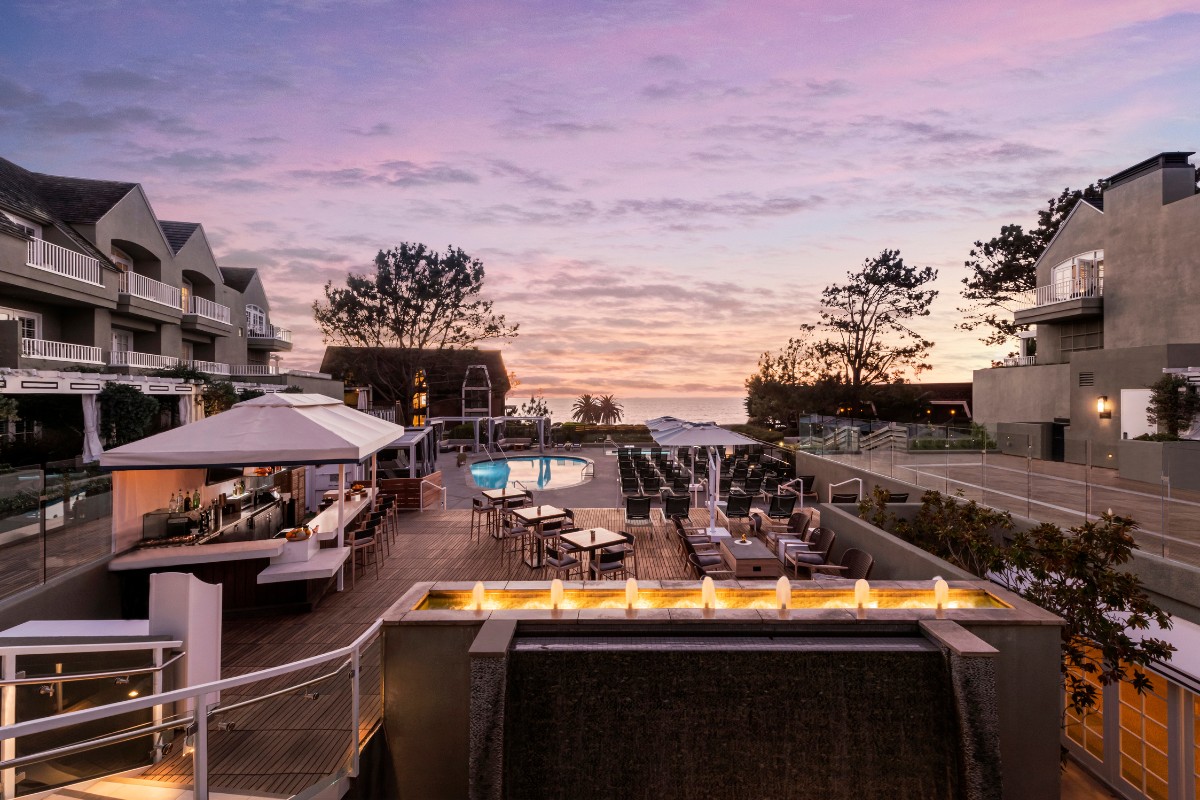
(1144, 737)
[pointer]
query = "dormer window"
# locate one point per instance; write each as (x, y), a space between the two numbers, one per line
(256, 320)
(28, 225)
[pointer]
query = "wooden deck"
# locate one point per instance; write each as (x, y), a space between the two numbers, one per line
(283, 745)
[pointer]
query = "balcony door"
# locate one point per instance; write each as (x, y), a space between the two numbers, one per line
(185, 296)
(31, 322)
(256, 321)
(122, 341)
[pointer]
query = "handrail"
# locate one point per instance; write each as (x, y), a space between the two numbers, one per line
(44, 724)
(441, 488)
(85, 676)
(833, 486)
(223, 709)
(92, 744)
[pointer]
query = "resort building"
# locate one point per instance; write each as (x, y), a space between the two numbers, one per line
(448, 383)
(90, 277)
(1112, 310)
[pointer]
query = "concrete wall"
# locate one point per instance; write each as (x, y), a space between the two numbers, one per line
(1025, 439)
(1021, 394)
(895, 559)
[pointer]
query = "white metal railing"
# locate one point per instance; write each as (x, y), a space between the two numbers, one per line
(60, 260)
(211, 367)
(201, 699)
(1019, 361)
(128, 358)
(388, 414)
(150, 289)
(892, 436)
(61, 351)
(833, 486)
(271, 332)
(1061, 291)
(207, 308)
(253, 369)
(304, 373)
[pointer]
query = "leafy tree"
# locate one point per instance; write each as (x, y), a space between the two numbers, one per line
(586, 409)
(417, 299)
(609, 410)
(536, 407)
(1174, 404)
(218, 396)
(1075, 574)
(869, 317)
(126, 414)
(1002, 269)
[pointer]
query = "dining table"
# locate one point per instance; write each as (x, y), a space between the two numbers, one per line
(537, 517)
(498, 497)
(589, 540)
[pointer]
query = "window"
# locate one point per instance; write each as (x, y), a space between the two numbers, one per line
(1087, 730)
(1079, 276)
(122, 341)
(1087, 335)
(121, 260)
(1143, 721)
(188, 351)
(256, 320)
(29, 226)
(31, 321)
(185, 296)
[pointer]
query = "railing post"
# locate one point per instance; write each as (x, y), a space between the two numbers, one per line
(8, 709)
(355, 661)
(200, 749)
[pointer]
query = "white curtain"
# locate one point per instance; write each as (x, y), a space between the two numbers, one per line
(198, 408)
(91, 429)
(185, 410)
(364, 402)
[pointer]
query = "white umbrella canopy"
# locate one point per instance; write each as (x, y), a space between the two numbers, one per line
(272, 430)
(702, 434)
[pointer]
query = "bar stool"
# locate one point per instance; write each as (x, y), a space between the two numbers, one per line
(363, 541)
(483, 514)
(381, 522)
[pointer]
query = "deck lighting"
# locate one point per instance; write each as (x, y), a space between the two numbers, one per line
(708, 593)
(862, 593)
(941, 597)
(783, 593)
(1103, 409)
(477, 596)
(631, 593)
(556, 593)
(133, 693)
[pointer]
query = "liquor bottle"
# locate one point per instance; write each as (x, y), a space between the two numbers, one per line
(173, 505)
(196, 499)
(187, 502)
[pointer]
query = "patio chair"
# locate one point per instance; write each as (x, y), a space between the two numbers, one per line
(738, 507)
(651, 484)
(637, 510)
(608, 565)
(796, 530)
(848, 497)
(630, 485)
(709, 565)
(897, 497)
(781, 507)
(752, 485)
(561, 562)
(816, 552)
(687, 536)
(513, 534)
(854, 564)
(629, 548)
(677, 505)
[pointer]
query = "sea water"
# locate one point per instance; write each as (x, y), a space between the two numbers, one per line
(722, 410)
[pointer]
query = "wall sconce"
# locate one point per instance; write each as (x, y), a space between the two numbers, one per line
(1103, 409)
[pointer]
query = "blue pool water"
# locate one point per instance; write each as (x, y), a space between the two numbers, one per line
(532, 472)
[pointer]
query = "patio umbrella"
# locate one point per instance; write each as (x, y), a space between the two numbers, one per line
(703, 434)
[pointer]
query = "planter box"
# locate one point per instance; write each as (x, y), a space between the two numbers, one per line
(1149, 461)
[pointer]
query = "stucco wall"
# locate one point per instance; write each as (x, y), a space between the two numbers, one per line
(1021, 394)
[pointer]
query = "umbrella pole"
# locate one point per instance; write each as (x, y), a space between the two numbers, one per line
(714, 487)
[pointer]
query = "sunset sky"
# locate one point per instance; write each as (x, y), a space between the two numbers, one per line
(658, 190)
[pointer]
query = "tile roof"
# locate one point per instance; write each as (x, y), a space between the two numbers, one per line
(238, 277)
(444, 369)
(25, 193)
(177, 233)
(80, 199)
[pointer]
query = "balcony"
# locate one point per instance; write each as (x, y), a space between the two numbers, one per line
(1062, 301)
(1019, 361)
(269, 337)
(205, 316)
(128, 358)
(163, 294)
(209, 367)
(252, 370)
(61, 351)
(61, 261)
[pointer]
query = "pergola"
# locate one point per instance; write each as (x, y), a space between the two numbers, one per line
(420, 450)
(492, 422)
(672, 432)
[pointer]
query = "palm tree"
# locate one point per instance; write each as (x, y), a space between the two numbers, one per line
(586, 409)
(610, 410)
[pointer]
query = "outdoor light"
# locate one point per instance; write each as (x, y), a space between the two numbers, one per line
(783, 593)
(941, 596)
(1103, 410)
(631, 593)
(862, 594)
(477, 596)
(133, 693)
(556, 593)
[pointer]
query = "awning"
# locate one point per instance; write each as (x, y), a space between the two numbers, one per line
(273, 430)
(699, 434)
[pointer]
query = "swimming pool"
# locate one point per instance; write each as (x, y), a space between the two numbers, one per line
(531, 472)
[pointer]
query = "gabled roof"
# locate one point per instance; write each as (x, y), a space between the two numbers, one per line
(1097, 207)
(444, 369)
(24, 192)
(80, 200)
(238, 277)
(177, 233)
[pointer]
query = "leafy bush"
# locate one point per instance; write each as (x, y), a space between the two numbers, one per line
(758, 432)
(1157, 437)
(125, 413)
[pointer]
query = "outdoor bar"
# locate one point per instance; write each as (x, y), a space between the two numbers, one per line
(241, 523)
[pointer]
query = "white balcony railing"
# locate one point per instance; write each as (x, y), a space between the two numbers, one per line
(209, 367)
(60, 260)
(271, 332)
(250, 370)
(1019, 361)
(207, 308)
(1061, 291)
(61, 351)
(128, 358)
(150, 289)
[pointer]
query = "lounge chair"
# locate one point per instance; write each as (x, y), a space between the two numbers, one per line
(738, 507)
(897, 497)
(709, 565)
(781, 506)
(677, 505)
(854, 564)
(848, 497)
(805, 557)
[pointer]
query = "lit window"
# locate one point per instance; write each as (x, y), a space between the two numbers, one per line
(1144, 737)
(256, 320)
(1079, 276)
(1087, 730)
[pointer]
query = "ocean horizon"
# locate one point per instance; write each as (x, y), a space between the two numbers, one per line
(726, 410)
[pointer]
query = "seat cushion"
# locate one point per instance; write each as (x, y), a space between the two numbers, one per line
(806, 558)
